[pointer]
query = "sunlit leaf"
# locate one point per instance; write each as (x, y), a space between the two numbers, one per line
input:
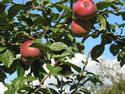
(58, 46)
(7, 58)
(102, 21)
(54, 69)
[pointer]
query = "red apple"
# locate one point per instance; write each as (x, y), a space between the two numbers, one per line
(80, 28)
(84, 9)
(27, 51)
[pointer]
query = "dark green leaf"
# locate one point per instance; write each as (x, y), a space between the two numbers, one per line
(14, 10)
(84, 90)
(2, 76)
(24, 89)
(78, 69)
(123, 15)
(5, 1)
(20, 70)
(122, 63)
(73, 87)
(66, 69)
(11, 69)
(114, 49)
(64, 54)
(41, 46)
(28, 20)
(47, 91)
(104, 4)
(97, 51)
(2, 8)
(121, 56)
(36, 67)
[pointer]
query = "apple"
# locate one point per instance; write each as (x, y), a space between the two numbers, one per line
(27, 51)
(80, 28)
(84, 9)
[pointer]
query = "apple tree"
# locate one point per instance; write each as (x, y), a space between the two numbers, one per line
(36, 34)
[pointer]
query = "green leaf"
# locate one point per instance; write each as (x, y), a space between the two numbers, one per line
(104, 4)
(114, 49)
(123, 15)
(2, 49)
(24, 89)
(27, 20)
(53, 29)
(10, 91)
(121, 56)
(37, 69)
(84, 90)
(54, 69)
(2, 8)
(78, 69)
(47, 91)
(102, 21)
(7, 58)
(73, 86)
(58, 46)
(21, 81)
(97, 51)
(2, 76)
(67, 52)
(5, 1)
(14, 10)
(20, 70)
(40, 46)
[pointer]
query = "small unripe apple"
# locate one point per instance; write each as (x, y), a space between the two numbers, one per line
(27, 51)
(84, 9)
(80, 28)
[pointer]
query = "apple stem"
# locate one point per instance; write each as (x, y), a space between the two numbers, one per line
(44, 78)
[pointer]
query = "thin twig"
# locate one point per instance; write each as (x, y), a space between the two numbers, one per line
(60, 16)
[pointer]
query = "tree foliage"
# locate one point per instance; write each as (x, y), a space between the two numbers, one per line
(48, 24)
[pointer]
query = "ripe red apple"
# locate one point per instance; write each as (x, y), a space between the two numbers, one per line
(27, 51)
(80, 28)
(84, 9)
